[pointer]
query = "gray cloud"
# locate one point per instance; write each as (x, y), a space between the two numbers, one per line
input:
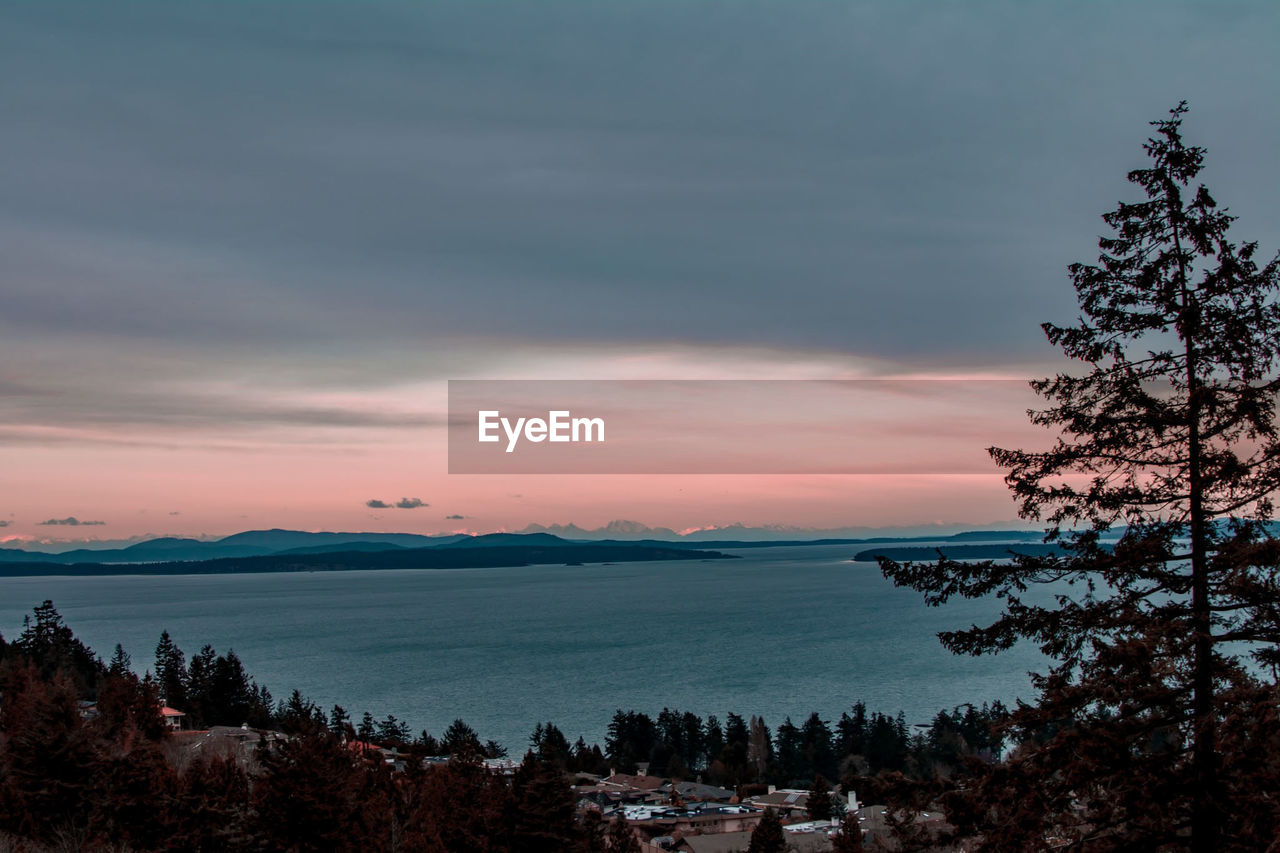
(374, 503)
(70, 521)
(867, 177)
(4, 522)
(204, 211)
(410, 503)
(454, 517)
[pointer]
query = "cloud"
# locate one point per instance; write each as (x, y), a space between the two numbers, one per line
(6, 522)
(69, 521)
(562, 200)
(410, 503)
(374, 503)
(175, 512)
(454, 517)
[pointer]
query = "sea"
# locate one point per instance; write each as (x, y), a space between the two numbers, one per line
(779, 632)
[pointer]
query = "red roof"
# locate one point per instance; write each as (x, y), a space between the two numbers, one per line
(166, 711)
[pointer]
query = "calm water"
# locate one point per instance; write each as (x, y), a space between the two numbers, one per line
(783, 631)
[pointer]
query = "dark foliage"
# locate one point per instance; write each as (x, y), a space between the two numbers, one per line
(819, 803)
(1168, 434)
(51, 646)
(768, 836)
(621, 839)
(544, 808)
(108, 775)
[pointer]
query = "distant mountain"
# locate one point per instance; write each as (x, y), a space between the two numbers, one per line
(251, 543)
(622, 530)
(575, 553)
(960, 552)
(493, 540)
(17, 555)
(999, 536)
(343, 548)
(261, 543)
(616, 530)
(271, 541)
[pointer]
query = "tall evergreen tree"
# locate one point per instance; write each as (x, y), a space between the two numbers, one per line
(550, 744)
(393, 732)
(171, 672)
(121, 663)
(631, 738)
(713, 739)
(544, 808)
(1169, 436)
(820, 804)
(768, 836)
(849, 838)
(339, 720)
(851, 731)
(789, 755)
(312, 796)
(461, 739)
(52, 646)
(461, 806)
(47, 757)
(817, 746)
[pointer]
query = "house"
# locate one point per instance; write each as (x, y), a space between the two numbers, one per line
(697, 792)
(235, 742)
(172, 718)
(650, 823)
(787, 802)
(636, 782)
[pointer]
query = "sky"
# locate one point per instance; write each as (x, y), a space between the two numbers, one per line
(243, 246)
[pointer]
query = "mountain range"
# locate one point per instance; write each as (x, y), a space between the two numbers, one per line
(277, 542)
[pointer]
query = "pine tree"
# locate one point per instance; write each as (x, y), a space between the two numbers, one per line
(339, 720)
(768, 836)
(631, 738)
(212, 806)
(819, 803)
(461, 806)
(367, 727)
(849, 838)
(171, 672)
(393, 732)
(461, 739)
(46, 759)
(52, 646)
(121, 663)
(817, 746)
(550, 744)
(1168, 439)
(311, 795)
(544, 808)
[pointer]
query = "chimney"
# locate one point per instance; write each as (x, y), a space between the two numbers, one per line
(642, 768)
(772, 788)
(853, 801)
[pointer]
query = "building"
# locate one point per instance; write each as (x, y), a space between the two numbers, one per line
(173, 718)
(665, 823)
